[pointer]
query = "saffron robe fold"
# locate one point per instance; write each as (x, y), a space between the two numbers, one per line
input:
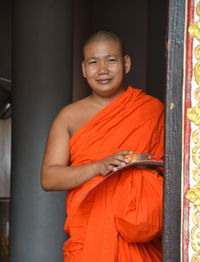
(121, 218)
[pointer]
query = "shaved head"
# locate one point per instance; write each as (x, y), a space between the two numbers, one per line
(102, 36)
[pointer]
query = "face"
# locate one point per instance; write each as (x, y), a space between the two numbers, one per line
(104, 67)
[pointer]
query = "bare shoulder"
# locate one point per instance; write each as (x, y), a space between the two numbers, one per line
(73, 110)
(74, 115)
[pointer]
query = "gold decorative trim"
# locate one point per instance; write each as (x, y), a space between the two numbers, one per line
(194, 196)
(194, 30)
(196, 135)
(197, 94)
(196, 155)
(197, 52)
(195, 258)
(198, 9)
(196, 174)
(193, 114)
(197, 71)
(195, 234)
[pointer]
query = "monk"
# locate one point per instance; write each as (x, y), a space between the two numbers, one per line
(118, 217)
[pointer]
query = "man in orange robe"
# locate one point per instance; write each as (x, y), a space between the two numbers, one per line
(119, 217)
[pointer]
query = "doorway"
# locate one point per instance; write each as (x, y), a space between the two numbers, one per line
(142, 26)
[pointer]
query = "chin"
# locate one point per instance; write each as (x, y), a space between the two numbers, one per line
(109, 89)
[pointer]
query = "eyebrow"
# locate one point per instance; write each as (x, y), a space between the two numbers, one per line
(95, 57)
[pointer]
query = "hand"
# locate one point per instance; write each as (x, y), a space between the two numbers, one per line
(110, 163)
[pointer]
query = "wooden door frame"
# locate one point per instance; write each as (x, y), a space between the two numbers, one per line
(173, 130)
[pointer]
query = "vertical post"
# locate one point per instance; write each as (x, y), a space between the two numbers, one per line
(42, 85)
(173, 145)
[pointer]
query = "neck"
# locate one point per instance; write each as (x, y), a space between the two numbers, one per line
(102, 101)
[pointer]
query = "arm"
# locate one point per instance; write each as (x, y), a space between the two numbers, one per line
(56, 174)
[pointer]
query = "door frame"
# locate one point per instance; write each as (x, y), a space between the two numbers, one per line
(173, 130)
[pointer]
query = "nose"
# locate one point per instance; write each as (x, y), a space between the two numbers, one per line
(103, 68)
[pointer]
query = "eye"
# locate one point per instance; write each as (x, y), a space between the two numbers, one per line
(92, 62)
(112, 60)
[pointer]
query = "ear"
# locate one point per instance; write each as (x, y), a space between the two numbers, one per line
(127, 64)
(83, 68)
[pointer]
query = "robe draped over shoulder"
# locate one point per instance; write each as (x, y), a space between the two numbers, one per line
(121, 218)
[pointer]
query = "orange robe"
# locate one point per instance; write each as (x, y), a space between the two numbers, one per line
(121, 218)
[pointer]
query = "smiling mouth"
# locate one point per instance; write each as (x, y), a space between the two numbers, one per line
(103, 81)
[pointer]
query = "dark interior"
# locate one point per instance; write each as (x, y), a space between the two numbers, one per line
(141, 24)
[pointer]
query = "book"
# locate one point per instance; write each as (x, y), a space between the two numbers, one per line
(147, 162)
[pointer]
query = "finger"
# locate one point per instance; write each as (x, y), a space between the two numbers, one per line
(119, 162)
(113, 168)
(109, 169)
(125, 152)
(121, 156)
